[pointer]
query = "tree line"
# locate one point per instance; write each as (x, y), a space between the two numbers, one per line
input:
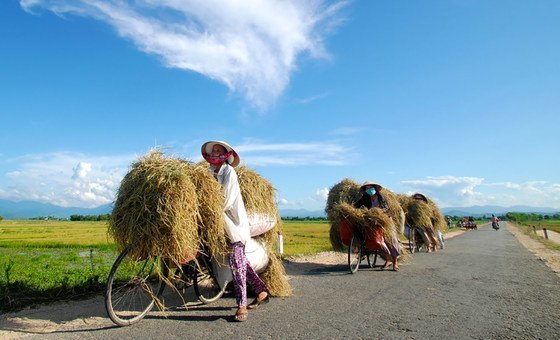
(103, 217)
(524, 217)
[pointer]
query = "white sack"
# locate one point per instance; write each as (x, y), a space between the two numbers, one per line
(256, 254)
(260, 223)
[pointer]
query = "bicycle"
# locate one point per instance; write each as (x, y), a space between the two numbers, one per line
(134, 286)
(357, 251)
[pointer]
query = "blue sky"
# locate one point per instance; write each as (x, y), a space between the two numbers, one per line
(458, 99)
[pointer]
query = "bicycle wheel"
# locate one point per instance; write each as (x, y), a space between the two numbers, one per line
(412, 240)
(205, 284)
(354, 253)
(131, 287)
(369, 261)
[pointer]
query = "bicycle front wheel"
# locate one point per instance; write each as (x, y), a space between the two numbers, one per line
(354, 253)
(205, 284)
(132, 287)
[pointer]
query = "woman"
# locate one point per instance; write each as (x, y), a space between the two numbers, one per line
(223, 159)
(372, 198)
(429, 233)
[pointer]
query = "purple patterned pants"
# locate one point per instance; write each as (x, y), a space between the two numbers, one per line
(243, 273)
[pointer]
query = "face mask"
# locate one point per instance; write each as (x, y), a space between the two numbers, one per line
(371, 191)
(218, 160)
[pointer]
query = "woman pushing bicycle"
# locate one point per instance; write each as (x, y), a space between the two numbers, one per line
(223, 158)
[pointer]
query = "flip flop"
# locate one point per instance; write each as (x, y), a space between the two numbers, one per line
(256, 303)
(241, 317)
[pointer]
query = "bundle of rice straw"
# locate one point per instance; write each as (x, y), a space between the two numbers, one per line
(259, 196)
(346, 191)
(418, 213)
(367, 219)
(370, 220)
(395, 210)
(156, 210)
(438, 220)
(210, 210)
(275, 277)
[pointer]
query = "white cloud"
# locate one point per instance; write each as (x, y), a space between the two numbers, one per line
(467, 191)
(250, 46)
(322, 194)
(81, 170)
(311, 99)
(255, 153)
(288, 203)
(65, 178)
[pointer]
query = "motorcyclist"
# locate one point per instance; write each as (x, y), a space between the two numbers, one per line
(495, 222)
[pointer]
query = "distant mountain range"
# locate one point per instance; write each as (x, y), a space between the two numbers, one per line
(31, 209)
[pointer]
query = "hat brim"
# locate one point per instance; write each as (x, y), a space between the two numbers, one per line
(375, 185)
(206, 150)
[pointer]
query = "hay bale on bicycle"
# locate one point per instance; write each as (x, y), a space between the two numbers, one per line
(260, 202)
(172, 208)
(156, 209)
(424, 214)
(347, 192)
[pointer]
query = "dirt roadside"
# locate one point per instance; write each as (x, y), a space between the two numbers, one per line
(550, 257)
(88, 315)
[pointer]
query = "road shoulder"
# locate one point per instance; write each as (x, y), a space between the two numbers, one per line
(550, 257)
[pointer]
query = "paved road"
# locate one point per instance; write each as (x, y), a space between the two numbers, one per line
(483, 285)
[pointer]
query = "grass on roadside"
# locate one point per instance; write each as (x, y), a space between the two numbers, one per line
(43, 261)
(527, 228)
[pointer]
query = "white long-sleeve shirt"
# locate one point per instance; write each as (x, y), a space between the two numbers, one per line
(235, 215)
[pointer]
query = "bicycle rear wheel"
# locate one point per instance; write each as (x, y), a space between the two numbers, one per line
(369, 260)
(205, 284)
(412, 240)
(354, 253)
(132, 286)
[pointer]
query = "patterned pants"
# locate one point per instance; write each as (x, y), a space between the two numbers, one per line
(243, 273)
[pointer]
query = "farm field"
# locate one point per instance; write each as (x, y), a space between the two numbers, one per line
(47, 260)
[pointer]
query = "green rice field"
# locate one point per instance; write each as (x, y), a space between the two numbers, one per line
(43, 261)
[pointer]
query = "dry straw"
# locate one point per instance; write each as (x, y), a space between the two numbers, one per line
(395, 209)
(346, 191)
(171, 208)
(275, 277)
(156, 210)
(367, 219)
(210, 209)
(421, 214)
(370, 220)
(438, 220)
(259, 196)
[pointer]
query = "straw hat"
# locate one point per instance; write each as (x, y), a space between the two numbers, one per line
(375, 185)
(419, 196)
(206, 150)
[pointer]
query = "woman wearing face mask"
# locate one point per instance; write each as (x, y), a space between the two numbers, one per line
(373, 198)
(223, 159)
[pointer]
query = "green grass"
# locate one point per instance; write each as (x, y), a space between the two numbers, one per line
(35, 275)
(43, 261)
(306, 237)
(54, 234)
(553, 225)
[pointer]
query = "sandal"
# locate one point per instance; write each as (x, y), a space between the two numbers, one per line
(241, 317)
(256, 302)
